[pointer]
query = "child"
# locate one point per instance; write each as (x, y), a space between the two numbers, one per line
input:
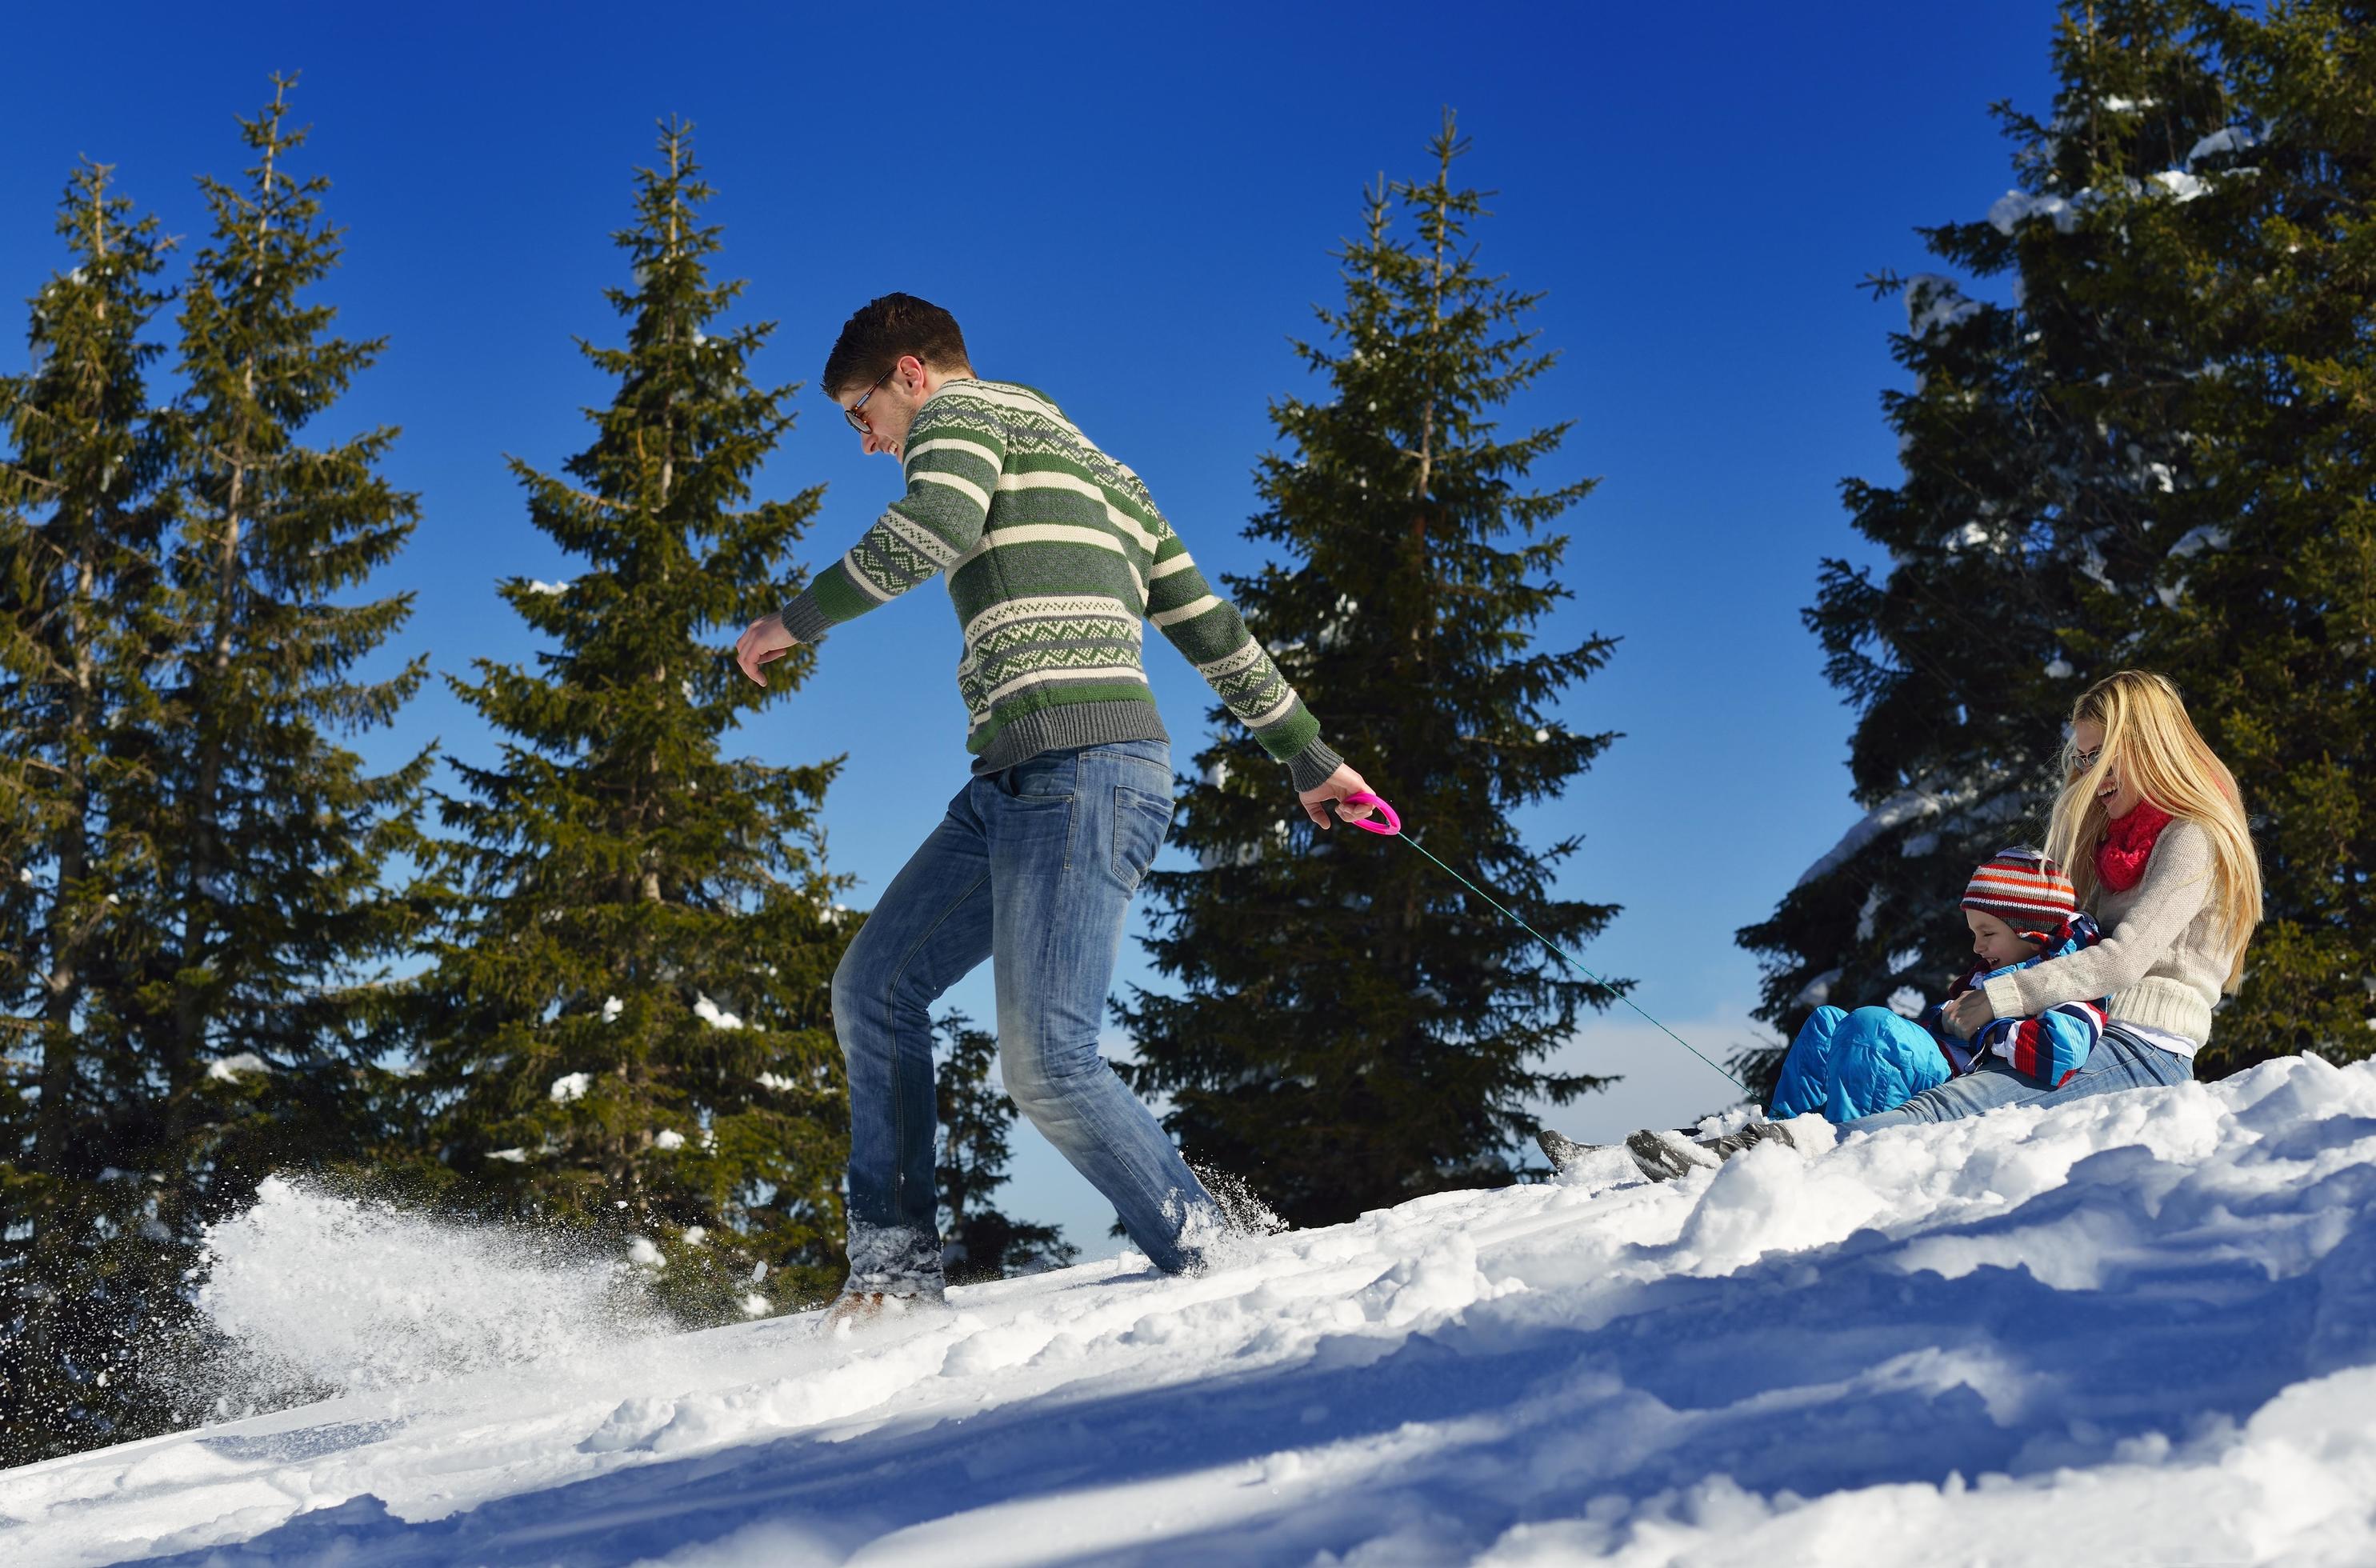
(2022, 911)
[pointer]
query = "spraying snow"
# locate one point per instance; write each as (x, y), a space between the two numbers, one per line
(314, 1290)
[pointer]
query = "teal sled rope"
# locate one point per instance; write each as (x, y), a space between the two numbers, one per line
(1394, 829)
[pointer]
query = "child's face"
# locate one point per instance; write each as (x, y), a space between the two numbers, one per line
(1995, 943)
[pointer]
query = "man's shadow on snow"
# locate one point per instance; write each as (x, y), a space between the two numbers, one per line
(1742, 1375)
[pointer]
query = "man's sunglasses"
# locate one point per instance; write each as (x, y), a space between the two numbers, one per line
(852, 412)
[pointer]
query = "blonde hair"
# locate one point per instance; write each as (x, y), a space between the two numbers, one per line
(2159, 754)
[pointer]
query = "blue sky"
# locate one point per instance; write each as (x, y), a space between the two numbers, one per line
(1133, 209)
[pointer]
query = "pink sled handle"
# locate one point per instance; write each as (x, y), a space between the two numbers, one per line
(1363, 798)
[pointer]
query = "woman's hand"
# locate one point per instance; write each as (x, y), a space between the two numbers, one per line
(1967, 1015)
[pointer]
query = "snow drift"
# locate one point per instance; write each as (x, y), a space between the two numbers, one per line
(2138, 1328)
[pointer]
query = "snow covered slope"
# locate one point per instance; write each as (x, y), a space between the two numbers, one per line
(2142, 1328)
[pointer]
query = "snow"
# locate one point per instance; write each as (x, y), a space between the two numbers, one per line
(1906, 1002)
(778, 1082)
(310, 1287)
(717, 1017)
(227, 1069)
(1933, 301)
(668, 1138)
(2058, 668)
(611, 1008)
(1333, 630)
(2235, 138)
(569, 1087)
(1898, 810)
(537, 585)
(2011, 209)
(2135, 1328)
(2092, 565)
(2194, 540)
(1817, 992)
(2181, 185)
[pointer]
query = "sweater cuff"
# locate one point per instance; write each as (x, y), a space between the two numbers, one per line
(803, 619)
(1311, 766)
(2004, 997)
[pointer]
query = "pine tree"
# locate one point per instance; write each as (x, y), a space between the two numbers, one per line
(1354, 1029)
(627, 1028)
(2053, 498)
(2273, 630)
(85, 1276)
(261, 1003)
(976, 1119)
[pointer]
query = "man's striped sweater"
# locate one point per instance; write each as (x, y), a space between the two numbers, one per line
(1055, 555)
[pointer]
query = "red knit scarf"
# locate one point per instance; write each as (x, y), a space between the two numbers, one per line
(2128, 844)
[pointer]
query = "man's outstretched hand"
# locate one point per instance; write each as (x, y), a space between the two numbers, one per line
(763, 642)
(1318, 803)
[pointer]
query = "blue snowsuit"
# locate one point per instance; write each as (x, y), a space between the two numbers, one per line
(1852, 1065)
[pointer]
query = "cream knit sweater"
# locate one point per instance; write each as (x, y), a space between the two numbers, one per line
(2162, 959)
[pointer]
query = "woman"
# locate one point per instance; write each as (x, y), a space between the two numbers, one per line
(2150, 823)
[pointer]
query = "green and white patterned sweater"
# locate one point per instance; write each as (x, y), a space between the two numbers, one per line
(1055, 554)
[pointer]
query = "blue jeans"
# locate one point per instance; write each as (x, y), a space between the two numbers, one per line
(1033, 868)
(2120, 1061)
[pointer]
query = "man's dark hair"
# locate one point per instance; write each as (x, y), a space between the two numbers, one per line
(882, 331)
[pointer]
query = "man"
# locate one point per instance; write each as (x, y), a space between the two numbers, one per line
(1055, 554)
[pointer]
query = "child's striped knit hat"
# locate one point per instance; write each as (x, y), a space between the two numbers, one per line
(2024, 889)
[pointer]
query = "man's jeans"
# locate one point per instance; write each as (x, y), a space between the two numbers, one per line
(1033, 868)
(2120, 1061)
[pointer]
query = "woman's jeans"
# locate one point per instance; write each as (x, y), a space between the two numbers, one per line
(1033, 868)
(2120, 1061)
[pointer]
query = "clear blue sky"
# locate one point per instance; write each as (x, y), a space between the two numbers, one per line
(1134, 208)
